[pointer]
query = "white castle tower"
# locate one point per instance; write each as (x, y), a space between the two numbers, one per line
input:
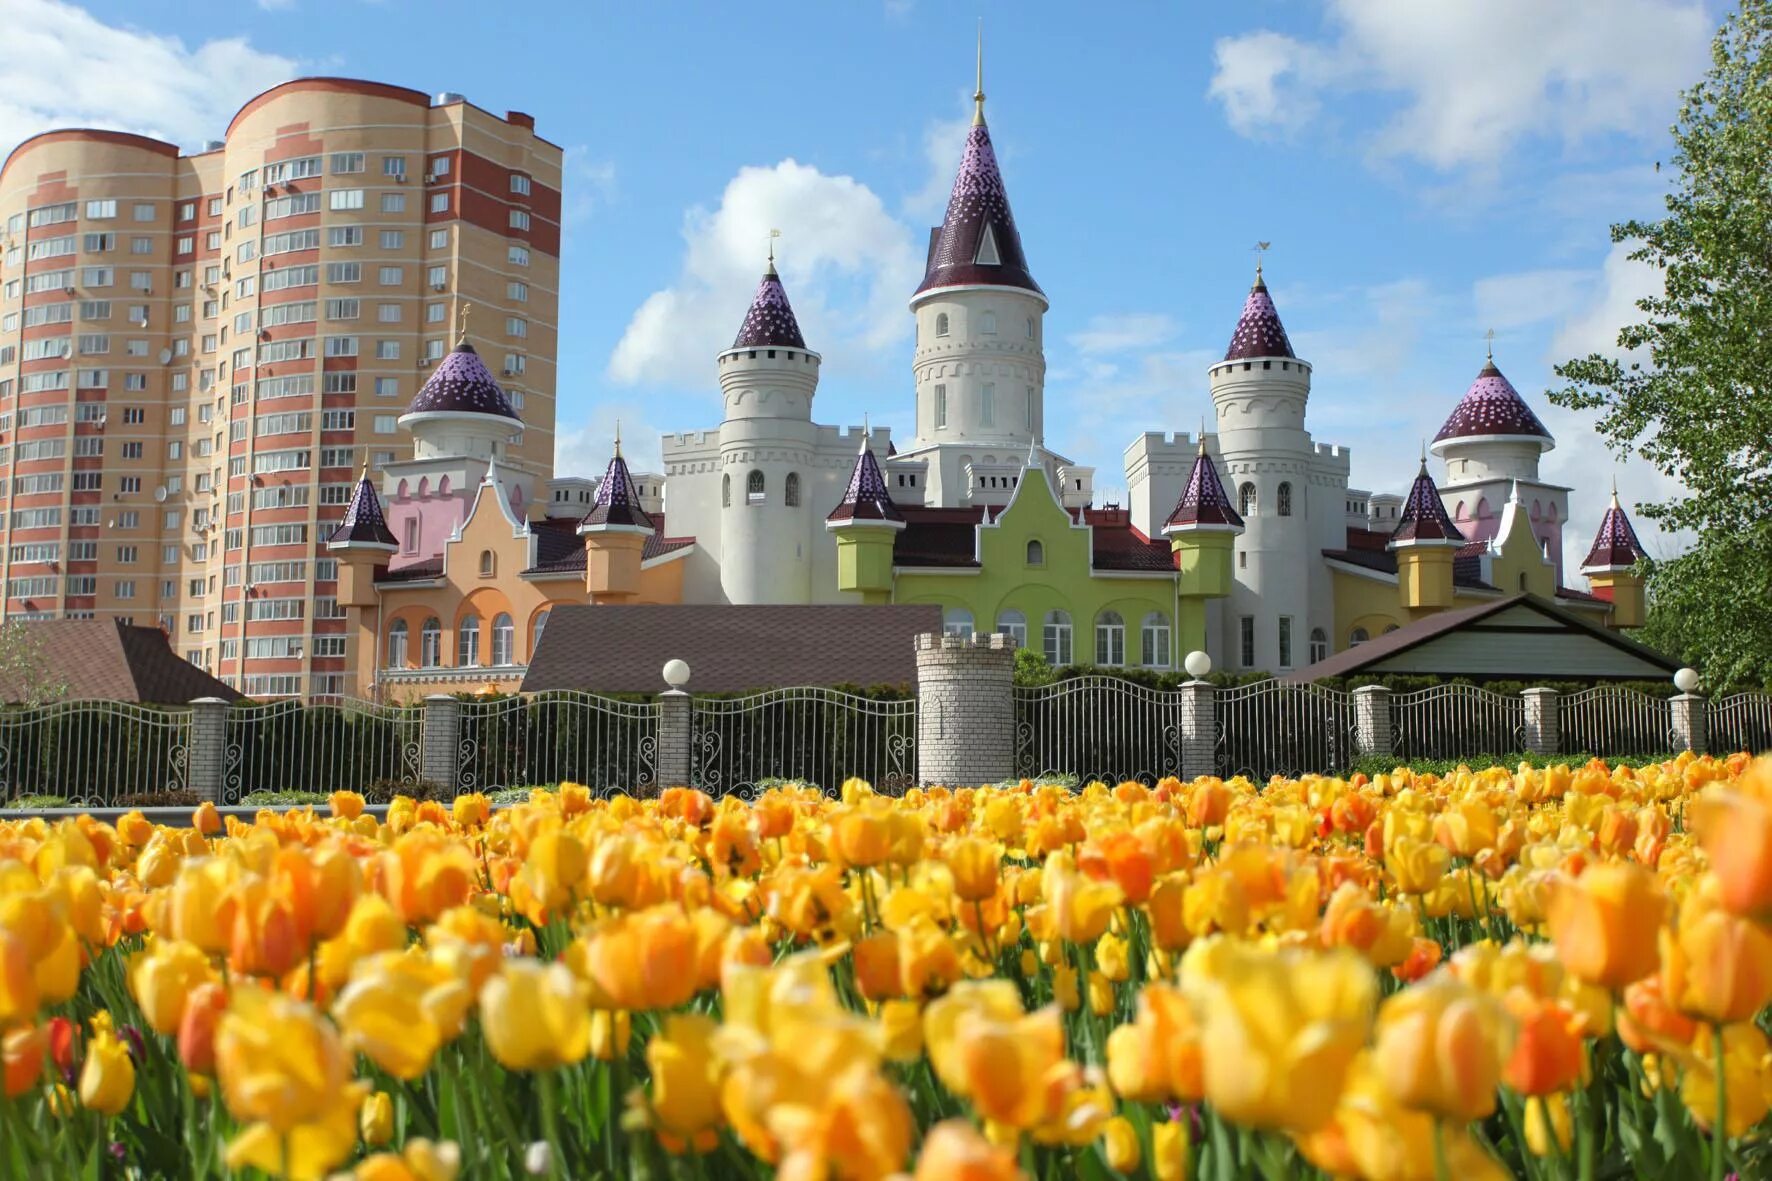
(767, 451)
(980, 362)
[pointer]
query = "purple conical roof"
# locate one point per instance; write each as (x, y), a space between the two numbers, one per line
(866, 498)
(770, 323)
(617, 505)
(1259, 331)
(1424, 514)
(977, 242)
(462, 384)
(1203, 502)
(364, 527)
(1616, 543)
(1492, 407)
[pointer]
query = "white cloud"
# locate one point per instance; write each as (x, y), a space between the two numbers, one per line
(64, 67)
(584, 449)
(590, 184)
(847, 264)
(1472, 76)
(943, 142)
(1123, 332)
(1508, 302)
(1612, 306)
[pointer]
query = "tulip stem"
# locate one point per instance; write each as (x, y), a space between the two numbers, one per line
(1442, 1170)
(1719, 1132)
(550, 1122)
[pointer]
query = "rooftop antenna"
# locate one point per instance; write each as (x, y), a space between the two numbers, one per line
(978, 90)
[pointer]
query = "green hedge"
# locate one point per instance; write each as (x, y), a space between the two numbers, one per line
(1384, 764)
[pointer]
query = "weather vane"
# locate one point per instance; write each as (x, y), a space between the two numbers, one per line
(1489, 343)
(461, 335)
(1260, 249)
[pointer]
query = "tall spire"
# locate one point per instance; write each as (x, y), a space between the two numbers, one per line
(866, 500)
(770, 322)
(363, 527)
(1204, 506)
(617, 507)
(1425, 520)
(1259, 332)
(978, 90)
(1615, 545)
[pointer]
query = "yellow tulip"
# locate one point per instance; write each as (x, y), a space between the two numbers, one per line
(955, 1151)
(1550, 1130)
(610, 1034)
(976, 866)
(1747, 1072)
(420, 1160)
(1170, 1148)
(376, 1120)
(685, 1083)
(1599, 920)
(163, 978)
(1416, 865)
(399, 1008)
(535, 1017)
(1441, 1047)
(1716, 965)
(1080, 905)
(107, 1077)
(640, 961)
(1119, 1144)
(285, 1073)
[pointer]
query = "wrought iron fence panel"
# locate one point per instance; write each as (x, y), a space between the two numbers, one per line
(558, 737)
(1274, 728)
(1456, 722)
(341, 746)
(1097, 727)
(1610, 721)
(815, 735)
(1742, 721)
(92, 753)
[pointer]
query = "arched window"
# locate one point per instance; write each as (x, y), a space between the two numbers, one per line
(987, 324)
(1319, 645)
(488, 563)
(790, 493)
(467, 642)
(397, 636)
(941, 324)
(1390, 629)
(1014, 624)
(1110, 638)
(541, 623)
(726, 491)
(753, 487)
(1036, 553)
(1057, 638)
(1153, 641)
(1285, 499)
(1246, 500)
(1030, 328)
(430, 644)
(956, 621)
(504, 640)
(1357, 636)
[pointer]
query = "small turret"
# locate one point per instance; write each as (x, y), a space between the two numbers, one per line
(615, 532)
(866, 525)
(1425, 542)
(362, 542)
(1614, 567)
(1202, 531)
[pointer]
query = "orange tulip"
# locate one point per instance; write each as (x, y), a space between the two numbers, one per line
(1735, 829)
(640, 961)
(22, 1051)
(977, 869)
(1648, 1023)
(1119, 857)
(196, 1028)
(1440, 1047)
(1547, 1054)
(1715, 966)
(1599, 923)
(206, 819)
(955, 1151)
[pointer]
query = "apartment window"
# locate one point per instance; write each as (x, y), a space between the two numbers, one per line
(341, 346)
(347, 162)
(132, 449)
(519, 184)
(144, 212)
(1056, 638)
(439, 202)
(99, 210)
(392, 239)
(440, 239)
(1110, 638)
(384, 424)
(387, 350)
(344, 272)
(83, 584)
(125, 520)
(941, 407)
(386, 387)
(125, 588)
(342, 309)
(1285, 641)
(393, 166)
(248, 250)
(141, 246)
(519, 219)
(95, 277)
(516, 326)
(392, 276)
(517, 292)
(345, 199)
(338, 420)
(517, 256)
(1246, 641)
(438, 278)
(98, 243)
(343, 236)
(433, 350)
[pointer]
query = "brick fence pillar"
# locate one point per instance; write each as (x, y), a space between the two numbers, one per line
(965, 709)
(439, 752)
(1199, 730)
(1372, 721)
(671, 768)
(207, 764)
(1690, 728)
(1543, 734)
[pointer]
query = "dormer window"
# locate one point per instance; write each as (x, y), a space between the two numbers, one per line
(987, 249)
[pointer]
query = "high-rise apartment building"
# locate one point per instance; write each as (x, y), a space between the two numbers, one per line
(199, 353)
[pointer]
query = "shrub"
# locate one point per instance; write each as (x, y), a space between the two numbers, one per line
(1384, 764)
(276, 799)
(383, 791)
(35, 802)
(159, 799)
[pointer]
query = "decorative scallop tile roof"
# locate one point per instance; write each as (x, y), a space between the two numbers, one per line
(1424, 515)
(364, 527)
(1492, 407)
(770, 323)
(1259, 331)
(1616, 543)
(1203, 501)
(617, 505)
(462, 384)
(977, 242)
(866, 498)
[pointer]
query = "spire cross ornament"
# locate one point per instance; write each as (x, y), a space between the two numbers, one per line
(1489, 343)
(773, 235)
(461, 331)
(1260, 249)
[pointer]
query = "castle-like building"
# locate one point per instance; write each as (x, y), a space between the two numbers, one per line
(1246, 541)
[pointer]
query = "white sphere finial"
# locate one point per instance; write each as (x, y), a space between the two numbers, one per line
(1198, 664)
(676, 673)
(1686, 680)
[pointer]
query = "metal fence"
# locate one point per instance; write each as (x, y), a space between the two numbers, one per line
(1742, 721)
(345, 745)
(1104, 728)
(1456, 721)
(1609, 721)
(821, 736)
(93, 753)
(1273, 728)
(557, 737)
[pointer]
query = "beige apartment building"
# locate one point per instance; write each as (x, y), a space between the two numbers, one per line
(199, 353)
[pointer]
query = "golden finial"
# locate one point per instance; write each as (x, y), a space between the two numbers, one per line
(461, 331)
(618, 438)
(1202, 434)
(866, 431)
(1424, 456)
(773, 235)
(978, 90)
(1489, 345)
(1260, 249)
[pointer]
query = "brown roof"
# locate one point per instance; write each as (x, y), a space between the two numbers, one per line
(1359, 657)
(559, 548)
(621, 649)
(107, 660)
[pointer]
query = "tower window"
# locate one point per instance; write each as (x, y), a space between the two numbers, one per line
(941, 324)
(790, 493)
(1285, 641)
(941, 407)
(1285, 500)
(1030, 328)
(1357, 636)
(956, 621)
(987, 405)
(726, 491)
(1246, 640)
(1030, 407)
(1246, 500)
(987, 249)
(1036, 554)
(488, 564)
(987, 324)
(753, 487)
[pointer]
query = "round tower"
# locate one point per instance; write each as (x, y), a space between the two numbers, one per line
(980, 362)
(1259, 392)
(767, 447)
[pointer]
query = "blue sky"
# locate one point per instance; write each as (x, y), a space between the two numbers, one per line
(1424, 171)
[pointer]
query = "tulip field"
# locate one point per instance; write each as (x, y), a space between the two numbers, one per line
(1556, 973)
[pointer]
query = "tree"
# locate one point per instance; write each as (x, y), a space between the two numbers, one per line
(1693, 393)
(26, 675)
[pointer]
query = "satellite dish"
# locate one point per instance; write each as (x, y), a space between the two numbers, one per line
(160, 494)
(165, 356)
